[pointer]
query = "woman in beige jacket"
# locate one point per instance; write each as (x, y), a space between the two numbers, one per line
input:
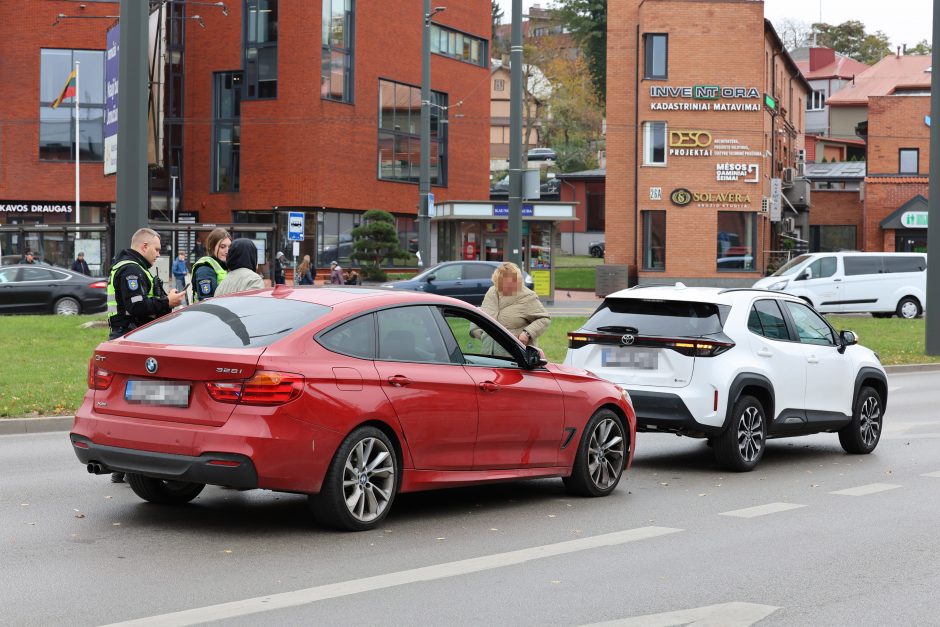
(514, 306)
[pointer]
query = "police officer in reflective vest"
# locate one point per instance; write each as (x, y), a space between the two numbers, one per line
(135, 297)
(209, 271)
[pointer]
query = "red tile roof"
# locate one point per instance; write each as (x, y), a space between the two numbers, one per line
(894, 180)
(891, 74)
(842, 67)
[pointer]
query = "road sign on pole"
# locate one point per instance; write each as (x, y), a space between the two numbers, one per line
(295, 226)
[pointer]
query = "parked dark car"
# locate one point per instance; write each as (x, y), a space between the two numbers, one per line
(38, 289)
(541, 154)
(596, 249)
(465, 280)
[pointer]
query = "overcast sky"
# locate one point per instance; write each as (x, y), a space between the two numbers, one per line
(903, 21)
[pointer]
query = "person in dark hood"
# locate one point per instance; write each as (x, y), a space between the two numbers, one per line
(242, 265)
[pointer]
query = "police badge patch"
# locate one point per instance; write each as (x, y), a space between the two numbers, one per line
(205, 287)
(132, 283)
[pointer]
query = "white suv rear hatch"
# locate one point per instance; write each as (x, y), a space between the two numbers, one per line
(649, 342)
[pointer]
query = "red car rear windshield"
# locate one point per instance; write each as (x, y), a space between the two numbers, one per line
(231, 322)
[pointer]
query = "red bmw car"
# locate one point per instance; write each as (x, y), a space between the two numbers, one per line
(350, 395)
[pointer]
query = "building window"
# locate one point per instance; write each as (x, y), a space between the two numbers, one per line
(654, 143)
(400, 133)
(654, 240)
(825, 239)
(335, 238)
(57, 126)
(737, 234)
(457, 45)
(656, 46)
(816, 101)
(260, 54)
(908, 160)
(336, 63)
(226, 131)
(499, 85)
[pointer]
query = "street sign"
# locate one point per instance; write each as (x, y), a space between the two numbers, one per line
(295, 226)
(432, 210)
(776, 199)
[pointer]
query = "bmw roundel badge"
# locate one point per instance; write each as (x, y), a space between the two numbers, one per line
(151, 365)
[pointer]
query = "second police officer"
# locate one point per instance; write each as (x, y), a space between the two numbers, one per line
(209, 270)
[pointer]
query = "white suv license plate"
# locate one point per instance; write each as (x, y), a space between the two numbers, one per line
(635, 358)
(157, 393)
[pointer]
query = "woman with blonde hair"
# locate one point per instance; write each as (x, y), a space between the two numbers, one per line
(514, 306)
(304, 276)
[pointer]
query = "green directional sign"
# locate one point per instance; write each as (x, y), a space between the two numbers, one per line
(914, 219)
(770, 102)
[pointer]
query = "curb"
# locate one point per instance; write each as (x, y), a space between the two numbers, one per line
(48, 424)
(39, 424)
(933, 367)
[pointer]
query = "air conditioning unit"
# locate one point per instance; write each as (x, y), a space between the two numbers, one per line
(788, 176)
(789, 225)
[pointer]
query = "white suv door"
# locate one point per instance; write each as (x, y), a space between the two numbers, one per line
(830, 375)
(822, 285)
(781, 358)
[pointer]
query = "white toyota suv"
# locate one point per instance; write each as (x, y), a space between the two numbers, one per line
(735, 366)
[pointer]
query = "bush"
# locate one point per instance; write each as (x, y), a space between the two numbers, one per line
(375, 241)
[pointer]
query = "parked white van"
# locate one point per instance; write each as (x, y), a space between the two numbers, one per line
(883, 284)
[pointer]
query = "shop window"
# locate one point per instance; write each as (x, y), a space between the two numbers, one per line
(654, 240)
(226, 131)
(826, 238)
(57, 126)
(657, 54)
(737, 234)
(908, 160)
(260, 50)
(654, 143)
(336, 73)
(399, 150)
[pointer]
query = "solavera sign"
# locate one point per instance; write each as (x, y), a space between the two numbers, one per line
(682, 197)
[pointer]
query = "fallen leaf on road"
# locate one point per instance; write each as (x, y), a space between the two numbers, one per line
(493, 529)
(116, 524)
(108, 497)
(551, 515)
(24, 504)
(227, 551)
(556, 581)
(78, 514)
(440, 538)
(663, 483)
(703, 494)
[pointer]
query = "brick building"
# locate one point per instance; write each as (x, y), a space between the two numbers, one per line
(37, 146)
(309, 107)
(704, 107)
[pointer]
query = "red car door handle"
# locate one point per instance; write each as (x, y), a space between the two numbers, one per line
(489, 386)
(398, 380)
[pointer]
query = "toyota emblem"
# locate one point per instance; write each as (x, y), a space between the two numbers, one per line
(627, 339)
(151, 365)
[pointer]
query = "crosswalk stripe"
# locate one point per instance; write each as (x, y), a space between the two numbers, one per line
(762, 510)
(865, 490)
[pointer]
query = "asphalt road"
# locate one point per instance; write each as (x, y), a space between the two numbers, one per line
(812, 537)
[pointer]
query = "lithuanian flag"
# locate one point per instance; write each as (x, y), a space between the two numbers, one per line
(67, 92)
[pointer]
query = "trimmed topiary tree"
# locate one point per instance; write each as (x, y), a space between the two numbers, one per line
(374, 241)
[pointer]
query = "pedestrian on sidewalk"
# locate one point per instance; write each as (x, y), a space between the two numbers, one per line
(303, 275)
(514, 306)
(80, 265)
(336, 274)
(179, 273)
(278, 277)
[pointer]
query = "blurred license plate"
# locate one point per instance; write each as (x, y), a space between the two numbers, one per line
(157, 393)
(630, 358)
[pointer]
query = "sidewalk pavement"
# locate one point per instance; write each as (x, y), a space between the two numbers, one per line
(46, 424)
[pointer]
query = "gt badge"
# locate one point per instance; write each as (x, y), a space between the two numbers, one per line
(151, 365)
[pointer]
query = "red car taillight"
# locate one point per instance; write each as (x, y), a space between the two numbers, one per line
(98, 377)
(264, 388)
(689, 347)
(99, 285)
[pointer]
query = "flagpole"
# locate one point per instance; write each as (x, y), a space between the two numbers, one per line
(78, 196)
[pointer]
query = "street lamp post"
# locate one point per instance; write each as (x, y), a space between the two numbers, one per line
(173, 209)
(424, 173)
(514, 245)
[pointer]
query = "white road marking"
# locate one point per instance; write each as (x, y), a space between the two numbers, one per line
(734, 614)
(864, 490)
(761, 510)
(380, 582)
(931, 474)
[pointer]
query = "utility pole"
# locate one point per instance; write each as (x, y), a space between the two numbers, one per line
(424, 172)
(514, 243)
(132, 185)
(932, 326)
